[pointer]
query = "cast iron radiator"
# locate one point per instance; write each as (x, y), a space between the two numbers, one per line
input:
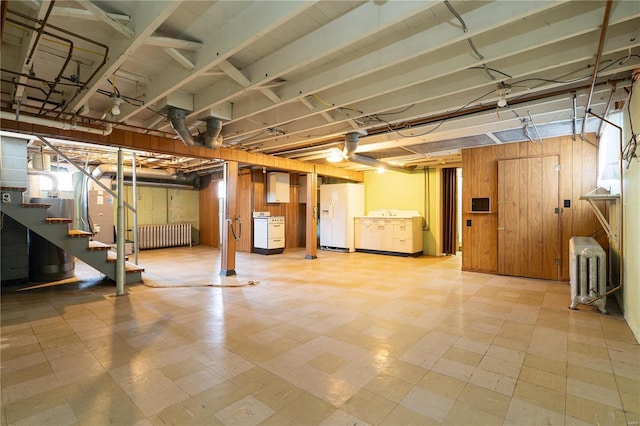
(164, 235)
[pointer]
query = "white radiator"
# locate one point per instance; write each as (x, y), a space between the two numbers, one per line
(588, 273)
(164, 235)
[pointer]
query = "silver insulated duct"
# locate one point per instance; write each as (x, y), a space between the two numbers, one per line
(349, 151)
(208, 139)
(350, 144)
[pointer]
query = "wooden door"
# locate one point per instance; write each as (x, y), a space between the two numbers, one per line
(528, 217)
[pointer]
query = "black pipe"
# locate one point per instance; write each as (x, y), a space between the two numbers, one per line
(80, 37)
(62, 69)
(17, 83)
(52, 85)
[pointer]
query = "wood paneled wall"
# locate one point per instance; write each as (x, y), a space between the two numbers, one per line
(244, 209)
(251, 195)
(578, 173)
(294, 212)
(209, 208)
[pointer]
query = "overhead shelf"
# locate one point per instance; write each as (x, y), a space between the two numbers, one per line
(591, 197)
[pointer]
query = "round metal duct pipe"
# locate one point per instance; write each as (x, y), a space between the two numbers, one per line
(209, 139)
(350, 143)
(160, 174)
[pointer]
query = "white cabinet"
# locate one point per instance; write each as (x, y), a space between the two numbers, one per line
(277, 187)
(407, 235)
(389, 234)
(381, 234)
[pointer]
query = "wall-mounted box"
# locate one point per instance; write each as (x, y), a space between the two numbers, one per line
(480, 205)
(277, 187)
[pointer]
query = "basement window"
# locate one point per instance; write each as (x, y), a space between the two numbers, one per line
(65, 181)
(222, 189)
(609, 155)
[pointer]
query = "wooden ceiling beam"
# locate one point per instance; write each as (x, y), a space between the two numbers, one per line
(161, 145)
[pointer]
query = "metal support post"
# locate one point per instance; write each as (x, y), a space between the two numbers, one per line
(135, 209)
(120, 237)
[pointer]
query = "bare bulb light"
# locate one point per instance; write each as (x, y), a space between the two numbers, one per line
(335, 155)
(502, 92)
(115, 109)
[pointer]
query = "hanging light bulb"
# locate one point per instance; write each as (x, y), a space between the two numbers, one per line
(335, 155)
(115, 109)
(502, 92)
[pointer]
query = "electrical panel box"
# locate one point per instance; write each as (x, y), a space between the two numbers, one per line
(277, 187)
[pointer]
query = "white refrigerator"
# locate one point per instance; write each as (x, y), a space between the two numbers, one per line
(339, 204)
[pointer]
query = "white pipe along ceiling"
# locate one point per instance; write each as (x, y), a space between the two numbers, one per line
(416, 82)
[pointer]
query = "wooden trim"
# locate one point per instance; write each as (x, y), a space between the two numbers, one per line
(139, 141)
(311, 244)
(228, 250)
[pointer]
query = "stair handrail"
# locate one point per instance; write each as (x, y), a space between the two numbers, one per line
(84, 172)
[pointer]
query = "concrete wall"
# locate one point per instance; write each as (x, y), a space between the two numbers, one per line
(13, 162)
(14, 251)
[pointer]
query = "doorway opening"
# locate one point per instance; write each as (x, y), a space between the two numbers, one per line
(451, 190)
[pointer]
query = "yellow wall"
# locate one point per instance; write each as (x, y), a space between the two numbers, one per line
(402, 191)
(631, 231)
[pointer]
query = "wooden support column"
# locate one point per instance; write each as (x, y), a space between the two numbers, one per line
(228, 249)
(312, 217)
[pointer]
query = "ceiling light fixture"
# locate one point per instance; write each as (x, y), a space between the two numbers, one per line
(335, 155)
(502, 92)
(115, 109)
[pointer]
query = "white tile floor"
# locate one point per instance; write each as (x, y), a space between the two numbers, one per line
(344, 339)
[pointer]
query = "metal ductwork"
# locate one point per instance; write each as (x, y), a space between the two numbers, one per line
(209, 139)
(160, 174)
(112, 169)
(149, 177)
(351, 144)
(373, 162)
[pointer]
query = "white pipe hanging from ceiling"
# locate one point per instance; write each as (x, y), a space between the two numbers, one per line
(63, 125)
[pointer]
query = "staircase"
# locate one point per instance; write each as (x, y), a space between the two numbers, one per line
(56, 230)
